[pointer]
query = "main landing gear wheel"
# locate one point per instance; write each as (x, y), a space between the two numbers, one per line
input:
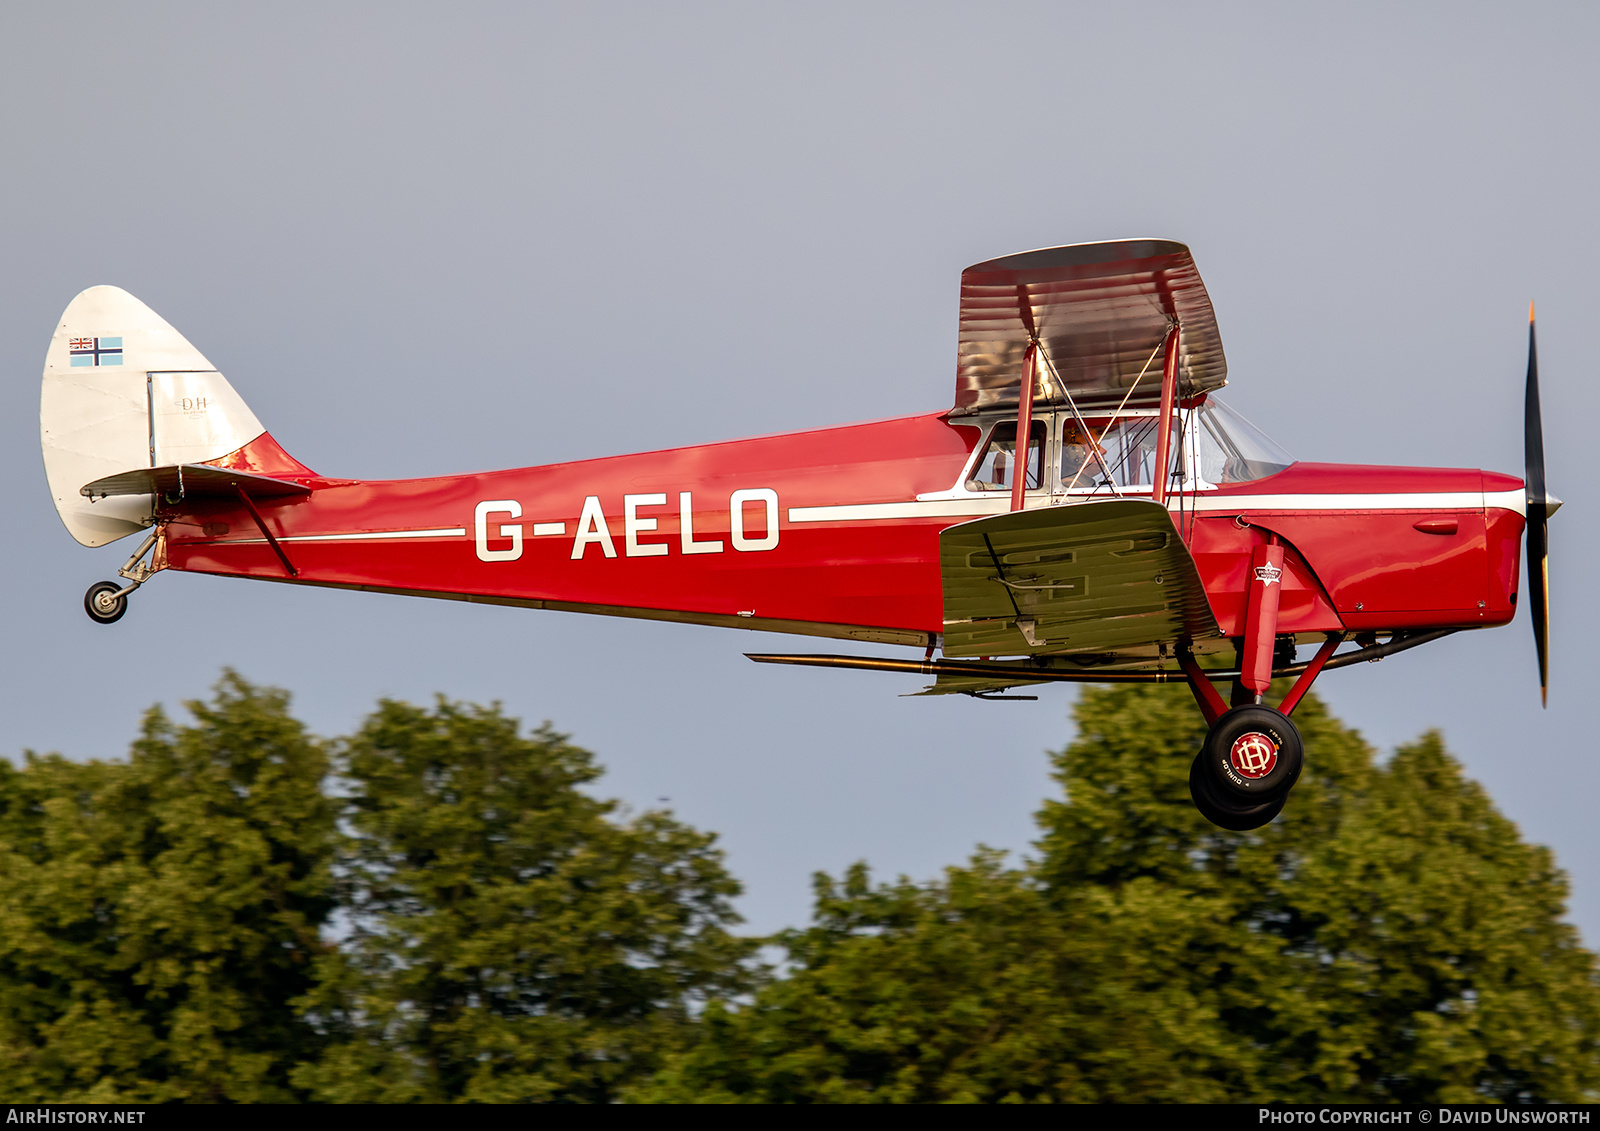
(105, 602)
(1253, 754)
(1227, 812)
(1251, 758)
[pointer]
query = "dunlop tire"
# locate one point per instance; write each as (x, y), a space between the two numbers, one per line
(1226, 812)
(1253, 754)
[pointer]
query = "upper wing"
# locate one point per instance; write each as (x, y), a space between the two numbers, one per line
(1098, 576)
(1100, 311)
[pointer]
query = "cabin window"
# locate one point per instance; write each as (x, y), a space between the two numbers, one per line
(1123, 453)
(997, 466)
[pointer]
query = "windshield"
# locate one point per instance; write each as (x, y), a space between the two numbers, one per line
(1224, 447)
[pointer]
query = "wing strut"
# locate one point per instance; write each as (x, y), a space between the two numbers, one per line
(1169, 386)
(1030, 363)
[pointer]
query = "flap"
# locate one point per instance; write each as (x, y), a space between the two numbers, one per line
(1100, 311)
(1100, 576)
(191, 480)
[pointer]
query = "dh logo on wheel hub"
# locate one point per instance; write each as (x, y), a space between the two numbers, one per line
(1253, 755)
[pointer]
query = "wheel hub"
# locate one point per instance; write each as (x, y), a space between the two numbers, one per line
(1253, 754)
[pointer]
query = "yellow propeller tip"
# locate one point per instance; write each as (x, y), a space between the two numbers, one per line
(1530, 310)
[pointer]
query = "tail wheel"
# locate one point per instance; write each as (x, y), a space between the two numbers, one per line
(1225, 811)
(105, 602)
(1253, 754)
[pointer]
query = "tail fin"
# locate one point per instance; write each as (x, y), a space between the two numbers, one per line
(124, 390)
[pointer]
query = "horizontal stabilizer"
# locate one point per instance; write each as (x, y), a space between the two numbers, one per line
(191, 480)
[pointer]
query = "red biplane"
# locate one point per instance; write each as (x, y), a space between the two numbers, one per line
(1087, 511)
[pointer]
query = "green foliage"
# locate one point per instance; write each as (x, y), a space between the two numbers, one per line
(1390, 937)
(513, 941)
(501, 935)
(969, 990)
(159, 917)
(435, 909)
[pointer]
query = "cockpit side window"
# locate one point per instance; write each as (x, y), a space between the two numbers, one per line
(996, 468)
(1105, 452)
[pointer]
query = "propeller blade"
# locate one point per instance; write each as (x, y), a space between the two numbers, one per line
(1538, 518)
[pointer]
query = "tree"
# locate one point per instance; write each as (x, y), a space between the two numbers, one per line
(1390, 937)
(159, 917)
(512, 938)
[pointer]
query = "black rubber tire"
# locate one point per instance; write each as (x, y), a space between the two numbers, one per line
(91, 604)
(1226, 766)
(1226, 812)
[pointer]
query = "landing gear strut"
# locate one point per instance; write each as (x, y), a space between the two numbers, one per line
(106, 601)
(1252, 755)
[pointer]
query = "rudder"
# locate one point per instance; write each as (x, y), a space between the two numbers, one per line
(123, 390)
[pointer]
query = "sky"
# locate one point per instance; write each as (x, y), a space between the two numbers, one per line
(422, 239)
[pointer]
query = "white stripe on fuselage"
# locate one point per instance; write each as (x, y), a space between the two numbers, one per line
(1000, 504)
(980, 505)
(443, 532)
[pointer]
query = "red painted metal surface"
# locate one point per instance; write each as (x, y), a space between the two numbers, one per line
(1222, 550)
(1378, 570)
(741, 533)
(828, 572)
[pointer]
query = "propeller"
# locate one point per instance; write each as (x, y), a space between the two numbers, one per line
(1540, 506)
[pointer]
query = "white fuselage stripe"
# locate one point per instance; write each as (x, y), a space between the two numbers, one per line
(982, 505)
(444, 532)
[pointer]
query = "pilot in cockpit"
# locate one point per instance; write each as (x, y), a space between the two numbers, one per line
(1078, 451)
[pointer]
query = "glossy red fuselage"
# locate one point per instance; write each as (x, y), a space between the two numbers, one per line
(832, 532)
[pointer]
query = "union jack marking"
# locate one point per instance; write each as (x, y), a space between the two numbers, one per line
(95, 351)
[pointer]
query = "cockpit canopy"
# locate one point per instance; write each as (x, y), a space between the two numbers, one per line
(1215, 445)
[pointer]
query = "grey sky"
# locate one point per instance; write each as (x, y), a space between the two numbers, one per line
(425, 239)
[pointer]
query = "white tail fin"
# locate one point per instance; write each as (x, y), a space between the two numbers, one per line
(124, 390)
